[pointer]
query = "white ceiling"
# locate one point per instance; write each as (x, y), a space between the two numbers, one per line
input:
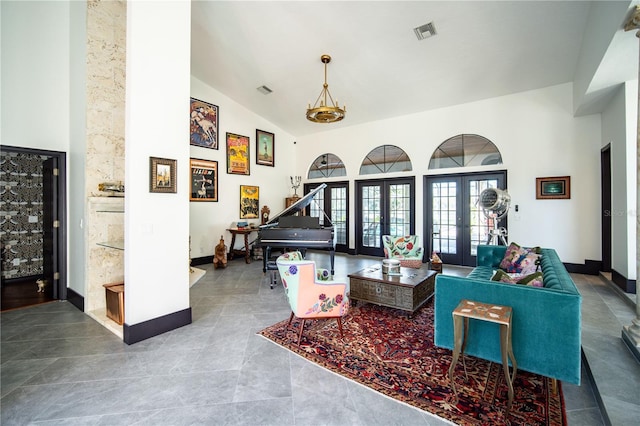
(379, 69)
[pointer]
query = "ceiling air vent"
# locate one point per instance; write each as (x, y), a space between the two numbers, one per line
(264, 90)
(425, 31)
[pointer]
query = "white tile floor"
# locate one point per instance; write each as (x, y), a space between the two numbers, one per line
(61, 367)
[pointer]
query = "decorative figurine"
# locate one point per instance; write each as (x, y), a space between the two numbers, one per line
(220, 256)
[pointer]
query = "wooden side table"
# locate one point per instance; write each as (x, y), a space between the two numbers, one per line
(246, 252)
(484, 312)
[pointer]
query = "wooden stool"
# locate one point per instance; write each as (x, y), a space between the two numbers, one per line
(484, 312)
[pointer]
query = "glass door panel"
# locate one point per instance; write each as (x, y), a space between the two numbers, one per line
(385, 207)
(455, 224)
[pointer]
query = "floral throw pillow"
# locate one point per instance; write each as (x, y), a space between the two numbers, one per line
(520, 260)
(533, 280)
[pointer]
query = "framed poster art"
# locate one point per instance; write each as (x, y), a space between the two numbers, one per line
(237, 154)
(550, 188)
(249, 201)
(162, 175)
(204, 124)
(265, 147)
(204, 180)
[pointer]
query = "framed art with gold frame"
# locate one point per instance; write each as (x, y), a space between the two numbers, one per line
(162, 175)
(553, 188)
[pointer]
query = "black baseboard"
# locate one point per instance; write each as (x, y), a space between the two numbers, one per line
(590, 267)
(201, 260)
(153, 327)
(75, 299)
(627, 285)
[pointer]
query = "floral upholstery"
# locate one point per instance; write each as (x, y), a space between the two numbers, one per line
(309, 297)
(406, 249)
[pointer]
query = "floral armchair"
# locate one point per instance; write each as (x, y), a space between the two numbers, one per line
(321, 273)
(310, 297)
(406, 249)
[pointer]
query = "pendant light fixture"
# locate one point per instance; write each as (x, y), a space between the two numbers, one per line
(325, 110)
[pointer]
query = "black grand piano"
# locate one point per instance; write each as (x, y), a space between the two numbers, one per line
(285, 230)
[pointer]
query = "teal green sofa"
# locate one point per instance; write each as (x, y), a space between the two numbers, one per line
(546, 320)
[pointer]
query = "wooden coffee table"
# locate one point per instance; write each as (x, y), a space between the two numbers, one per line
(407, 291)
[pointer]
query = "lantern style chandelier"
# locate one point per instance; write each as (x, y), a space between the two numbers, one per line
(325, 110)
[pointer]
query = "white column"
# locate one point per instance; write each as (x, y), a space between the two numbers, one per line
(631, 333)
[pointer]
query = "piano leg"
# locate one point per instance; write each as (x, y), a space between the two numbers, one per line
(332, 252)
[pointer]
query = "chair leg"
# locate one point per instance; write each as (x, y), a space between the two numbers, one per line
(340, 326)
(300, 334)
(290, 319)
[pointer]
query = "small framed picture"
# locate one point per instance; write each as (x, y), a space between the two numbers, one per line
(204, 180)
(162, 175)
(237, 154)
(204, 124)
(265, 147)
(249, 201)
(549, 188)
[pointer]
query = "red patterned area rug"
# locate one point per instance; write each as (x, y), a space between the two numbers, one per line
(394, 355)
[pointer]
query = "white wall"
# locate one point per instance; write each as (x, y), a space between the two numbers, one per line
(537, 135)
(619, 130)
(43, 99)
(76, 159)
(209, 220)
(157, 125)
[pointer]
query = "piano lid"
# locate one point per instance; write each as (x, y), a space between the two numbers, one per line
(295, 207)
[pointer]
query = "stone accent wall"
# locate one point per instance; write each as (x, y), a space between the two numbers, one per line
(106, 66)
(21, 234)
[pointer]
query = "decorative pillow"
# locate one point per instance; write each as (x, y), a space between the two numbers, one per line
(517, 258)
(534, 280)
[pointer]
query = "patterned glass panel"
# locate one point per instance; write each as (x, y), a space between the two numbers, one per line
(316, 207)
(327, 165)
(385, 159)
(400, 209)
(478, 222)
(465, 151)
(444, 217)
(371, 216)
(339, 214)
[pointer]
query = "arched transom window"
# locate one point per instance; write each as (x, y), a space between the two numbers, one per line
(327, 165)
(465, 151)
(385, 159)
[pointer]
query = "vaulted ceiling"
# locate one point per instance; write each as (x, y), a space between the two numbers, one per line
(379, 68)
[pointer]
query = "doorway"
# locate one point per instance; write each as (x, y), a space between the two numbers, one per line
(605, 185)
(332, 204)
(384, 207)
(33, 228)
(455, 224)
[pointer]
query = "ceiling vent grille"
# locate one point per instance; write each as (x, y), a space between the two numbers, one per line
(425, 31)
(264, 90)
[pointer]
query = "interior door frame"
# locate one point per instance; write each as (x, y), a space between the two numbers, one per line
(384, 207)
(463, 209)
(60, 290)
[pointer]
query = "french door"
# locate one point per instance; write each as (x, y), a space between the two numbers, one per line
(334, 202)
(384, 207)
(455, 224)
